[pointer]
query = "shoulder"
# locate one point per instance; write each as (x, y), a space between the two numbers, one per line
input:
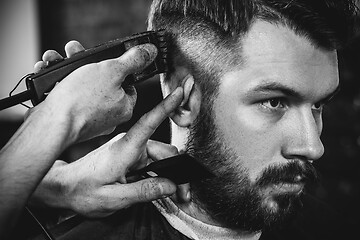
(138, 222)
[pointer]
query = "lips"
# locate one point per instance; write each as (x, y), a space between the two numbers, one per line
(284, 188)
(288, 187)
(287, 178)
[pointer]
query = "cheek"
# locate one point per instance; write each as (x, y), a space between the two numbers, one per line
(255, 141)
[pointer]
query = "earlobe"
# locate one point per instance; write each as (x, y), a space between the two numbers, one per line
(189, 108)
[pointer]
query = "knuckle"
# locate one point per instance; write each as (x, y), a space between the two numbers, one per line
(126, 113)
(94, 206)
(121, 95)
(84, 206)
(104, 205)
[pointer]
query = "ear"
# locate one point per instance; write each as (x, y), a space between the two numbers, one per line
(189, 108)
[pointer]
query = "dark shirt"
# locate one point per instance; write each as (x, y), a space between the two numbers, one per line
(315, 221)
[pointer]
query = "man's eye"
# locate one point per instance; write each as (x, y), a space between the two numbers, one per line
(274, 103)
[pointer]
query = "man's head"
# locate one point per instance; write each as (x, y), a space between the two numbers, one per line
(256, 75)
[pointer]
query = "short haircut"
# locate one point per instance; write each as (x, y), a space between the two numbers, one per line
(205, 32)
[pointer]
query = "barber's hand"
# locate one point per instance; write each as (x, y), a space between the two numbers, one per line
(92, 96)
(96, 186)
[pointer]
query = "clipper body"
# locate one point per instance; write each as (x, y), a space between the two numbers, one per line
(41, 83)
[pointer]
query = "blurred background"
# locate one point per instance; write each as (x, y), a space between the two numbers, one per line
(29, 27)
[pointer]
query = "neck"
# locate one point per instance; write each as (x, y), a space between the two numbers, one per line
(178, 139)
(195, 211)
(208, 225)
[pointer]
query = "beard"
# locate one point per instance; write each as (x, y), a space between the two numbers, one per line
(230, 198)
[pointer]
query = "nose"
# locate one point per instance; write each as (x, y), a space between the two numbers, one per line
(303, 138)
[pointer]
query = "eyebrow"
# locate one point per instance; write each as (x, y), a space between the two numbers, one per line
(278, 87)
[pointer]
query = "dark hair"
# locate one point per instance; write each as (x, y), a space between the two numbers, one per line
(326, 22)
(205, 32)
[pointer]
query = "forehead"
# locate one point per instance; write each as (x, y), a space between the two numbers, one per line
(275, 53)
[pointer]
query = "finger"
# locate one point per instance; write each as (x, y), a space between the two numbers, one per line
(158, 150)
(154, 151)
(73, 47)
(51, 55)
(133, 60)
(141, 162)
(39, 65)
(183, 193)
(139, 134)
(145, 190)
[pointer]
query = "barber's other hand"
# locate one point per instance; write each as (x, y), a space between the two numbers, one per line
(91, 97)
(50, 56)
(96, 186)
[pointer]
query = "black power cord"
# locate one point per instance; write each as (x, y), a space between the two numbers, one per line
(9, 102)
(15, 99)
(19, 98)
(45, 232)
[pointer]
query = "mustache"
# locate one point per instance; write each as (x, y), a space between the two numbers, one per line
(292, 172)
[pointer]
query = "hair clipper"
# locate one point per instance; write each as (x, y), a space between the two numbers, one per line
(41, 83)
(180, 169)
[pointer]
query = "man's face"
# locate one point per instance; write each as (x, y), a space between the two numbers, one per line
(264, 128)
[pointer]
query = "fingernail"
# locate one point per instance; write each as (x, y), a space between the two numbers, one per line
(176, 91)
(188, 82)
(149, 52)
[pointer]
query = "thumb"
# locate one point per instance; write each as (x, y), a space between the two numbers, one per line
(138, 57)
(133, 60)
